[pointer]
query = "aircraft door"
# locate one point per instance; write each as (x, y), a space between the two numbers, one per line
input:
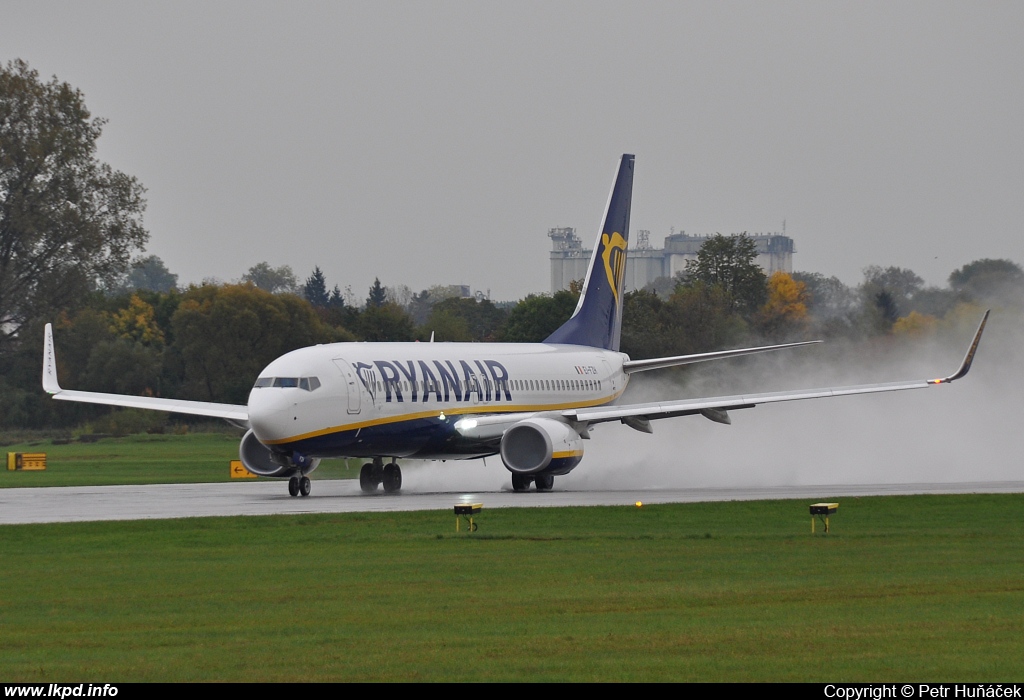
(351, 384)
(613, 378)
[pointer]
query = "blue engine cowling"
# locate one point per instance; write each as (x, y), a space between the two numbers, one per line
(541, 446)
(261, 460)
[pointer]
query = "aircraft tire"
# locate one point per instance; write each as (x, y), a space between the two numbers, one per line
(366, 480)
(304, 486)
(293, 486)
(520, 482)
(392, 478)
(544, 482)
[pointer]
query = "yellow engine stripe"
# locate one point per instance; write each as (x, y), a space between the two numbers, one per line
(570, 453)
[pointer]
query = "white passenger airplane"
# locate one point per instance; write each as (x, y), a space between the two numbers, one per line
(532, 403)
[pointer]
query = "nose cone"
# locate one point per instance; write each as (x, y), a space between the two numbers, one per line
(283, 390)
(271, 412)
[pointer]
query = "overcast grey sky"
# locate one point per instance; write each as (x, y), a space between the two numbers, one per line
(436, 142)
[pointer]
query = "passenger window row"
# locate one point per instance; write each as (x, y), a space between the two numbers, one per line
(556, 384)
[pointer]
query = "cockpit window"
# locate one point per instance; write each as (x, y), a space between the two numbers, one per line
(305, 383)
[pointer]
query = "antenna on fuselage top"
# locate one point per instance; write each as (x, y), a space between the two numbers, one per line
(431, 336)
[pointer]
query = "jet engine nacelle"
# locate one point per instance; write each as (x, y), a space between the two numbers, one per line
(541, 446)
(261, 460)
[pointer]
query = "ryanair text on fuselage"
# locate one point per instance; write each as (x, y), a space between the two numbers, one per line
(411, 381)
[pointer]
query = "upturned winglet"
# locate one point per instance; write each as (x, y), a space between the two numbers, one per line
(50, 383)
(965, 366)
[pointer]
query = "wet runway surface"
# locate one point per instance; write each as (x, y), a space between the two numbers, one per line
(91, 503)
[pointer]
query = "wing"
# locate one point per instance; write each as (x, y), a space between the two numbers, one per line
(639, 415)
(229, 412)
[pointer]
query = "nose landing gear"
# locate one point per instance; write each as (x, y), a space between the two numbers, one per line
(299, 486)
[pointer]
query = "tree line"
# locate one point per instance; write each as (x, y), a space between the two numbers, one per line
(208, 342)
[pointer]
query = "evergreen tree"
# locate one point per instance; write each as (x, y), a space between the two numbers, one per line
(315, 289)
(378, 295)
(886, 311)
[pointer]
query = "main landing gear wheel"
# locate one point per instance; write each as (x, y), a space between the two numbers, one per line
(392, 478)
(293, 486)
(304, 486)
(521, 482)
(366, 481)
(544, 482)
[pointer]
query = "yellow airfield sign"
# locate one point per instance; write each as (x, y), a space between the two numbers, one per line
(26, 461)
(238, 470)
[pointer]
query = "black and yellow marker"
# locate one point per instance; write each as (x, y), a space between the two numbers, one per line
(467, 511)
(822, 511)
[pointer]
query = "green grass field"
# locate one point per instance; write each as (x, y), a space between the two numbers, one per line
(926, 588)
(141, 459)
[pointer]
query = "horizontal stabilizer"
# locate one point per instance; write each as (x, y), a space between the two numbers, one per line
(631, 366)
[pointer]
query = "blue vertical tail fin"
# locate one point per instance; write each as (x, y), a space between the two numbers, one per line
(597, 321)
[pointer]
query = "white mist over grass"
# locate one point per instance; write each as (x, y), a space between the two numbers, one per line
(962, 432)
(465, 476)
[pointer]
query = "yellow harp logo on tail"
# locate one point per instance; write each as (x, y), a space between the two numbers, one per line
(614, 256)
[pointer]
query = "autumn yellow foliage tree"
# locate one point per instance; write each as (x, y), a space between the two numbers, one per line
(915, 324)
(137, 322)
(785, 312)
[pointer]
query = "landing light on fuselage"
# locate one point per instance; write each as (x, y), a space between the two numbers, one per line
(465, 423)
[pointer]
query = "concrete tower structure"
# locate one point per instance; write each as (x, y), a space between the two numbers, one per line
(645, 264)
